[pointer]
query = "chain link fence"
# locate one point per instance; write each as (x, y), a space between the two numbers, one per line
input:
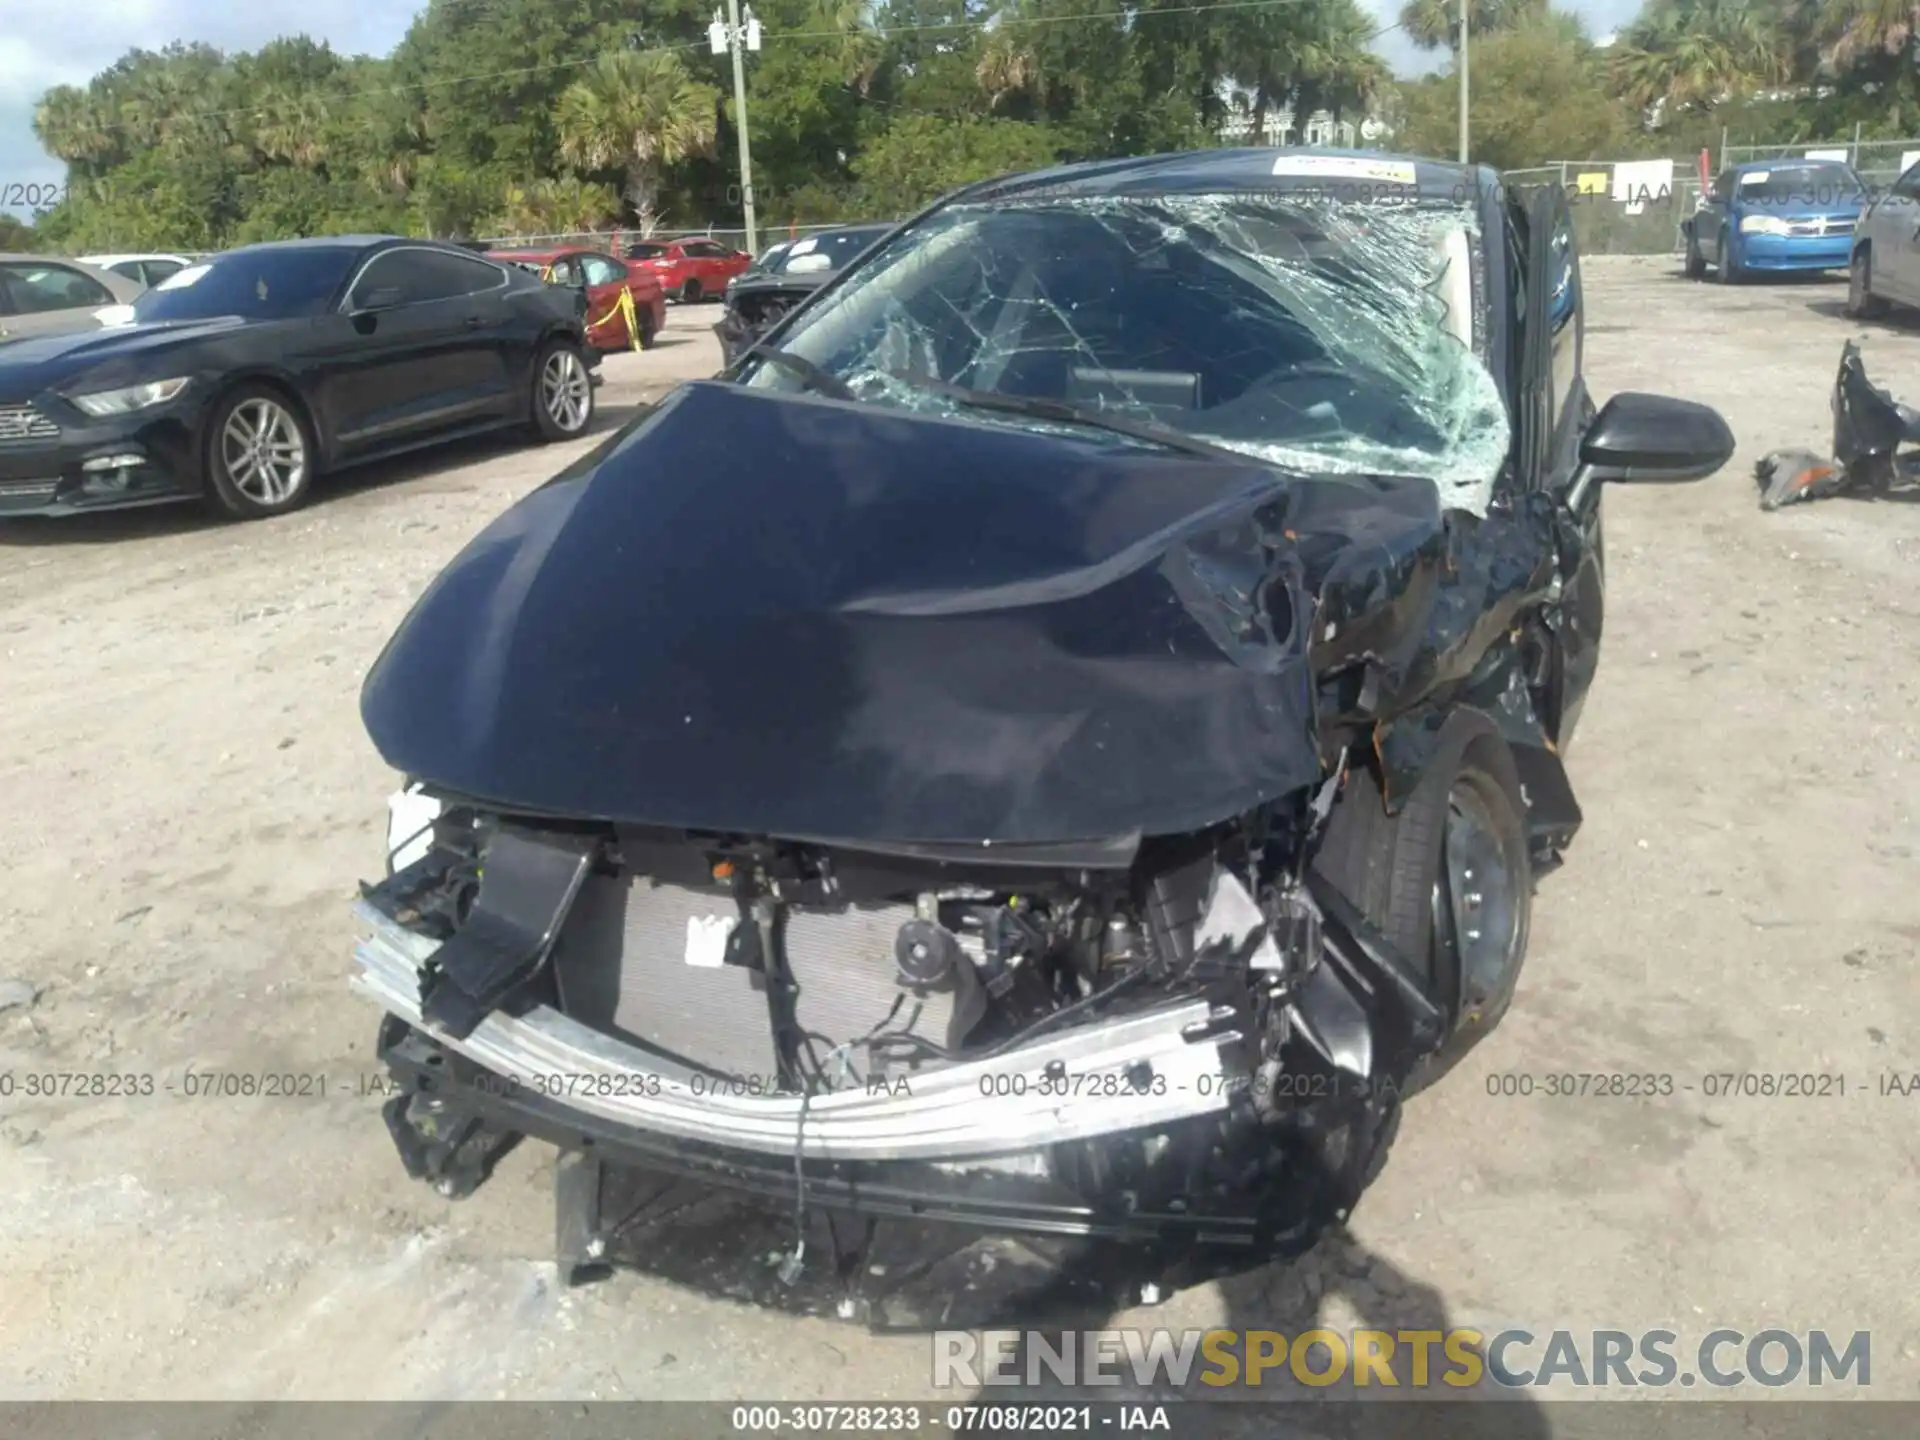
(616, 241)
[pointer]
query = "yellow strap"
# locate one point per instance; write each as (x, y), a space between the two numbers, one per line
(622, 306)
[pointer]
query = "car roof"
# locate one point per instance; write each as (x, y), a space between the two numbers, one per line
(1791, 162)
(132, 255)
(1213, 172)
(555, 254)
(16, 257)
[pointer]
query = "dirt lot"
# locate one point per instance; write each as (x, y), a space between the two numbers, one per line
(189, 800)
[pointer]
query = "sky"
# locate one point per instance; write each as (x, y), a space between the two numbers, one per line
(47, 45)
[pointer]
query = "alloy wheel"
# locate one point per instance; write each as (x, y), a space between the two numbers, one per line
(263, 451)
(565, 390)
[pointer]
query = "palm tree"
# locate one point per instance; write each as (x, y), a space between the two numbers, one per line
(1851, 30)
(568, 206)
(1007, 69)
(639, 111)
(1697, 53)
(290, 126)
(1431, 24)
(858, 53)
(71, 124)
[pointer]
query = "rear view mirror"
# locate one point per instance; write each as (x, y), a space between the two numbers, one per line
(1657, 438)
(1652, 439)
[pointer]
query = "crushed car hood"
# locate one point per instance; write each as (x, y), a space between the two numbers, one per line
(783, 615)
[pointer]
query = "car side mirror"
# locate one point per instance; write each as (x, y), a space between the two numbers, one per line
(1654, 439)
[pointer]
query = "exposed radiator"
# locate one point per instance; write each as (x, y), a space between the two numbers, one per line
(622, 966)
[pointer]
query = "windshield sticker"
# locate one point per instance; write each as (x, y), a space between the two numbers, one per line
(180, 279)
(1344, 167)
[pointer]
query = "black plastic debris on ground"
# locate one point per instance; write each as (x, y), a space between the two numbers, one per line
(1869, 427)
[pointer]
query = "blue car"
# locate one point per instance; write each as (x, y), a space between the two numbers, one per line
(1775, 216)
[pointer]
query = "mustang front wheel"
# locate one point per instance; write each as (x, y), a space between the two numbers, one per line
(562, 393)
(259, 456)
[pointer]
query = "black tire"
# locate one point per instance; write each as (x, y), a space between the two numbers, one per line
(237, 485)
(649, 337)
(1725, 270)
(1695, 265)
(690, 293)
(1862, 303)
(559, 366)
(1390, 867)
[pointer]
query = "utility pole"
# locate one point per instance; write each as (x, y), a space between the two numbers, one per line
(1463, 82)
(730, 34)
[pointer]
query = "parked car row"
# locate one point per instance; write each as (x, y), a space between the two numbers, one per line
(1797, 216)
(241, 379)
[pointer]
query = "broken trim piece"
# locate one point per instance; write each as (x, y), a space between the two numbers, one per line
(953, 1113)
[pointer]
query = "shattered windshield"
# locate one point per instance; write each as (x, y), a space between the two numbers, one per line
(1336, 338)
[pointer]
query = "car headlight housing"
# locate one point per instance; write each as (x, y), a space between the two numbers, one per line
(1762, 225)
(129, 398)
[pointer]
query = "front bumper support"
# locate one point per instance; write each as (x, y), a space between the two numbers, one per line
(1148, 1070)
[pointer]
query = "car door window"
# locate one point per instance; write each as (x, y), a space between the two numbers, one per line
(35, 288)
(158, 270)
(565, 271)
(132, 270)
(602, 271)
(1563, 311)
(415, 277)
(1907, 187)
(705, 249)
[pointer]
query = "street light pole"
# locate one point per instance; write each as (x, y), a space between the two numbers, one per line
(737, 37)
(1463, 82)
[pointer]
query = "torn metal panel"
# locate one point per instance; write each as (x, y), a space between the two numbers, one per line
(1869, 427)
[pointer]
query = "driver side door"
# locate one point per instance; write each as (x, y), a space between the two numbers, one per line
(1892, 232)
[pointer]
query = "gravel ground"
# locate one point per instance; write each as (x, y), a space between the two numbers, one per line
(190, 800)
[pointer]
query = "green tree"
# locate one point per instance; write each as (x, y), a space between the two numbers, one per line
(1697, 54)
(1534, 98)
(918, 158)
(639, 113)
(1434, 24)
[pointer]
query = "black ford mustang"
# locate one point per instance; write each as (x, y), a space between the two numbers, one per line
(244, 378)
(1060, 739)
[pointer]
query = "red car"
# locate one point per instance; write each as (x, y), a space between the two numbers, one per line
(603, 278)
(690, 269)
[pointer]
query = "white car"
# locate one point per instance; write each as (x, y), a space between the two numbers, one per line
(148, 270)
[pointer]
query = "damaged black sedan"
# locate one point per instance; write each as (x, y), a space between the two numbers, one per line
(1060, 738)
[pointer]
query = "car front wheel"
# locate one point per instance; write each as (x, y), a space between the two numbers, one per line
(562, 392)
(259, 455)
(1862, 303)
(1696, 263)
(1726, 267)
(1448, 881)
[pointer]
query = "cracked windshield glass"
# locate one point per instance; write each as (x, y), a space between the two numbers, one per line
(1321, 337)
